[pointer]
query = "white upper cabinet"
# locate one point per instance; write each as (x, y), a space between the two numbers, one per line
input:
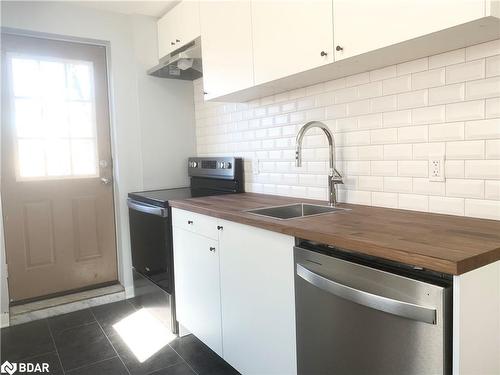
(178, 27)
(167, 29)
(362, 26)
(290, 37)
(226, 37)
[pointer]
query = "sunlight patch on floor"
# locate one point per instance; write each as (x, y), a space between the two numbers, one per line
(143, 333)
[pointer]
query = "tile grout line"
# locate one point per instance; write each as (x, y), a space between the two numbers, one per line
(91, 364)
(55, 346)
(187, 363)
(105, 335)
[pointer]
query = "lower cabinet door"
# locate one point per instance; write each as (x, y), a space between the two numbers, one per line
(197, 286)
(258, 300)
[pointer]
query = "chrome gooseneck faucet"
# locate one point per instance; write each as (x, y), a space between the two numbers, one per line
(334, 177)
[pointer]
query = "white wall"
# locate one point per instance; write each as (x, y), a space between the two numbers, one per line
(386, 123)
(145, 110)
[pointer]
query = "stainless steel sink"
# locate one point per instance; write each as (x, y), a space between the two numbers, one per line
(292, 211)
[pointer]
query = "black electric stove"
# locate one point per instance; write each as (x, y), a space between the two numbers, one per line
(151, 223)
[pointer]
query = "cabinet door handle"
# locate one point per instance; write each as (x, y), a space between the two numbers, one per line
(190, 221)
(339, 48)
(177, 41)
(172, 43)
(212, 249)
(220, 227)
(323, 53)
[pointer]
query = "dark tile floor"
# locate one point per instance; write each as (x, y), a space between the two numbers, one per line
(85, 343)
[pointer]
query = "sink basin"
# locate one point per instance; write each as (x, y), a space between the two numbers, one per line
(292, 211)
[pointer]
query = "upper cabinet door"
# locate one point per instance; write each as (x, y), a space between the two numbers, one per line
(167, 27)
(189, 28)
(365, 25)
(290, 37)
(226, 38)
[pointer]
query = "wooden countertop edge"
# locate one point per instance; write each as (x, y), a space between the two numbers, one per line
(363, 247)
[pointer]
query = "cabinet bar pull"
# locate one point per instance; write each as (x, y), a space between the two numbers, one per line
(190, 221)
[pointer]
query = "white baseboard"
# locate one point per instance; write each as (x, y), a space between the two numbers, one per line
(4, 319)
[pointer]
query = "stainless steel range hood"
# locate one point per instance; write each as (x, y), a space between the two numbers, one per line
(183, 63)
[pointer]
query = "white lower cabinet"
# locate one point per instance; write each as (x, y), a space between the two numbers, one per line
(258, 300)
(197, 286)
(238, 298)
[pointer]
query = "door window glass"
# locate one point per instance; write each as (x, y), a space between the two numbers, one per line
(54, 118)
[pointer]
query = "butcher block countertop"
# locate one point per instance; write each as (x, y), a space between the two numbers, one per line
(443, 243)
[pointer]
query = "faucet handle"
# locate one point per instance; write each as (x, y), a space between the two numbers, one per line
(336, 176)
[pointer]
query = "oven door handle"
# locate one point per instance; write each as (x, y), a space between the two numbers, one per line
(147, 208)
(374, 301)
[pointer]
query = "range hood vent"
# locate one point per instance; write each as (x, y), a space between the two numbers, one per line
(183, 63)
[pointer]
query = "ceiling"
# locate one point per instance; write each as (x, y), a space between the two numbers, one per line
(146, 8)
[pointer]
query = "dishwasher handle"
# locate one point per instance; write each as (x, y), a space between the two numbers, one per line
(146, 208)
(374, 301)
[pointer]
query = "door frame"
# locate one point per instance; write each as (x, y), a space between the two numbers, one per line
(115, 176)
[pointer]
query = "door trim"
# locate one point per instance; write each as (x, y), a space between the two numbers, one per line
(112, 132)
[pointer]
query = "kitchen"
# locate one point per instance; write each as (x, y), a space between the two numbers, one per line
(281, 187)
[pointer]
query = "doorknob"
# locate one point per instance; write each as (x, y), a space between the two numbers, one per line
(106, 181)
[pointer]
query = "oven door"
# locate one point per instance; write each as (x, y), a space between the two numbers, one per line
(151, 243)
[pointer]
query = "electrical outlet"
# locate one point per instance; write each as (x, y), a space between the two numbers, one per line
(436, 168)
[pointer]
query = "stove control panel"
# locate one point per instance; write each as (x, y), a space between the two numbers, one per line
(227, 167)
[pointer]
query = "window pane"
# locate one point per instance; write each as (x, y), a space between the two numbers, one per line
(84, 157)
(28, 114)
(53, 82)
(81, 119)
(55, 118)
(25, 75)
(79, 81)
(58, 158)
(31, 158)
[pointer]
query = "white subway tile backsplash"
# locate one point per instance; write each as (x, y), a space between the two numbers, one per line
(428, 115)
(447, 206)
(493, 149)
(413, 168)
(468, 71)
(465, 188)
(398, 152)
(384, 168)
(386, 124)
(371, 183)
(492, 190)
(398, 184)
(447, 94)
(447, 58)
(493, 66)
(452, 131)
(482, 169)
(396, 85)
(479, 51)
(389, 200)
(465, 150)
(413, 66)
(472, 110)
(454, 169)
(426, 187)
(413, 99)
(426, 79)
(482, 129)
(413, 134)
(384, 136)
(483, 88)
(414, 202)
(492, 108)
(397, 118)
(384, 73)
(484, 209)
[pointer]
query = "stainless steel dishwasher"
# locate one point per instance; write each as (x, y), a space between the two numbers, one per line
(361, 315)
